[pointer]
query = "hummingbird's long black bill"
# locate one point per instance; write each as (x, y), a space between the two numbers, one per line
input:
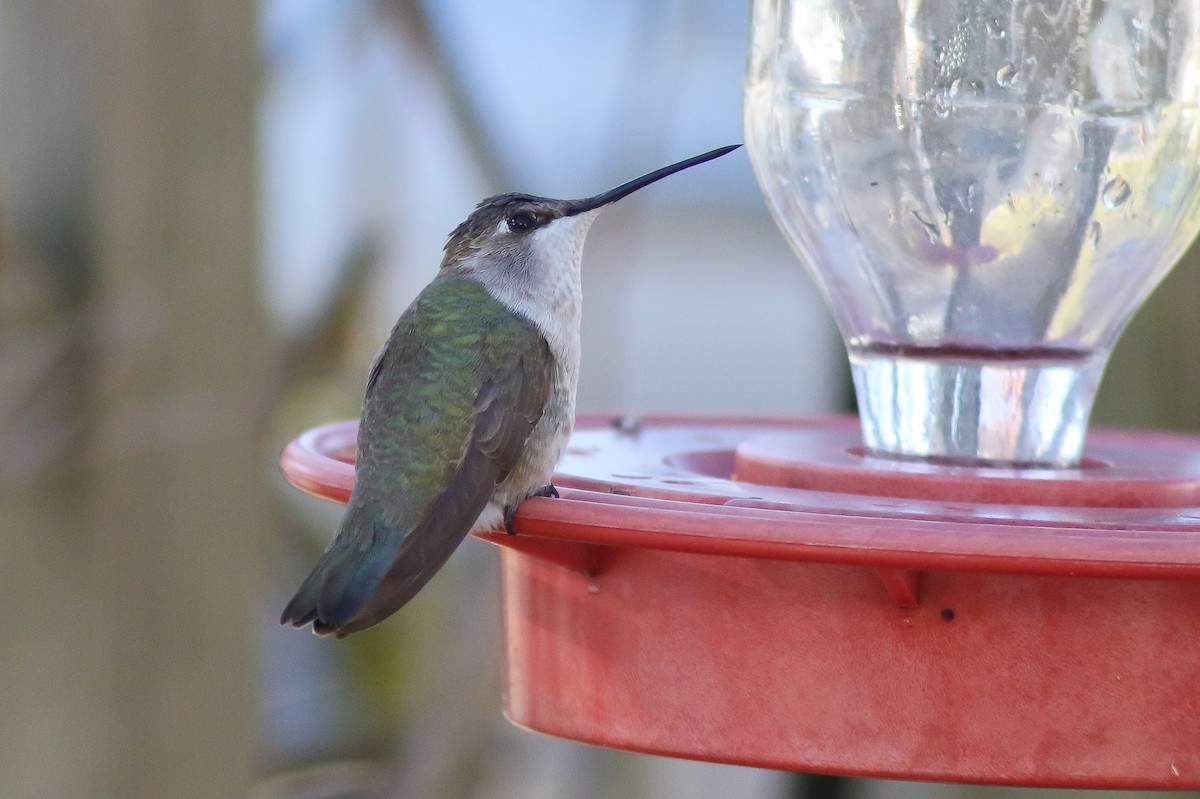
(625, 189)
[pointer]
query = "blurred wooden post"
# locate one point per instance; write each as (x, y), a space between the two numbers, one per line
(178, 503)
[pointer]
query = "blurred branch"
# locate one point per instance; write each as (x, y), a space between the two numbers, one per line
(319, 348)
(411, 20)
(42, 367)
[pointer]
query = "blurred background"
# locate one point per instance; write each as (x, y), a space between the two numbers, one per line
(211, 213)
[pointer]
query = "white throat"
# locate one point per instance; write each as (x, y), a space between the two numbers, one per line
(549, 292)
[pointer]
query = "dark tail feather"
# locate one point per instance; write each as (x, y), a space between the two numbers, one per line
(371, 571)
(345, 577)
(303, 607)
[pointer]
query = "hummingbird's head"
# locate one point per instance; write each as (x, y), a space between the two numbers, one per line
(520, 233)
(503, 228)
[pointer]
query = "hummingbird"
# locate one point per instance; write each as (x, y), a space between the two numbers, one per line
(468, 405)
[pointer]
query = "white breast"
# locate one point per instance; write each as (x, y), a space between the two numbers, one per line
(548, 293)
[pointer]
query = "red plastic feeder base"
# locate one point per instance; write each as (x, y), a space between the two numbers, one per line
(861, 616)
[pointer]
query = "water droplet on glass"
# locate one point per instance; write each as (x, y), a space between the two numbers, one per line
(965, 196)
(1115, 192)
(941, 104)
(919, 327)
(966, 89)
(1094, 233)
(1006, 75)
(931, 229)
(995, 28)
(900, 114)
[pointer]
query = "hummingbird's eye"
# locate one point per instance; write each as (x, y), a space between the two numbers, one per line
(521, 222)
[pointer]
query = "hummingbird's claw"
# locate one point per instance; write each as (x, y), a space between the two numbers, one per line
(510, 513)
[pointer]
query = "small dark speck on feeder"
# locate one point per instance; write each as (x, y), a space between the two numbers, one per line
(627, 426)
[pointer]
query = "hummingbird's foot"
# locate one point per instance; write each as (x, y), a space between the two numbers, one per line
(510, 513)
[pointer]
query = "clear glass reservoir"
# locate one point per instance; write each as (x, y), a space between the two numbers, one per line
(986, 190)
